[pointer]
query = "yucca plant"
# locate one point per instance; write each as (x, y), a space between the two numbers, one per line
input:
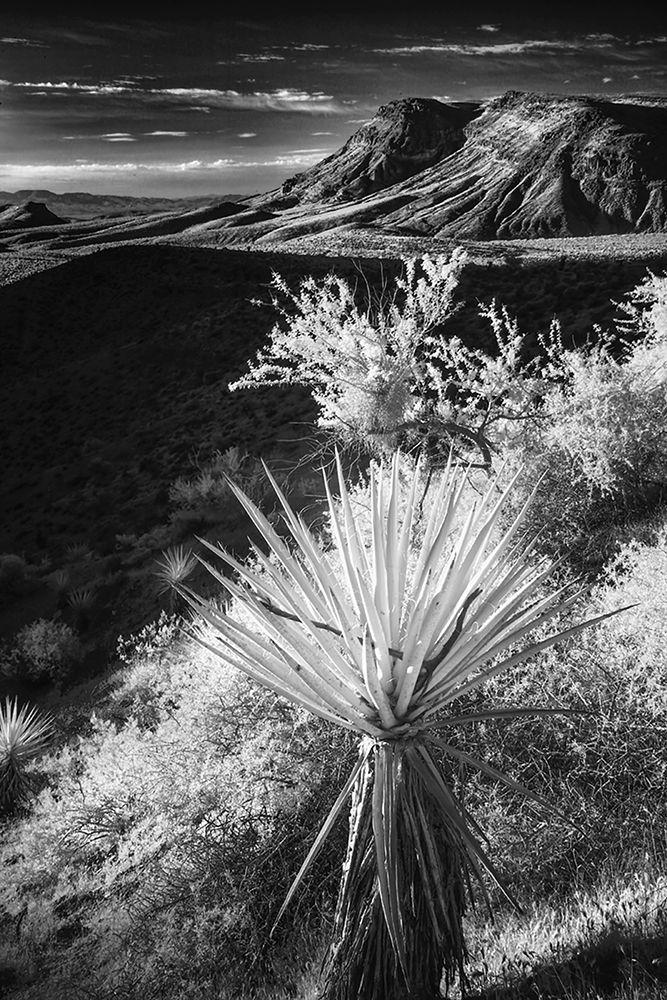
(388, 641)
(81, 598)
(174, 567)
(60, 580)
(24, 733)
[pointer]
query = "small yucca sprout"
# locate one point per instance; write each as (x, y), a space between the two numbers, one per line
(81, 598)
(60, 580)
(174, 567)
(24, 733)
(76, 551)
(383, 646)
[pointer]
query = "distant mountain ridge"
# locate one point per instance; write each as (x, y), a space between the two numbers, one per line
(27, 215)
(520, 166)
(77, 205)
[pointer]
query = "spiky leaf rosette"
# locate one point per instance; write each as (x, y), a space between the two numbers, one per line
(24, 733)
(382, 643)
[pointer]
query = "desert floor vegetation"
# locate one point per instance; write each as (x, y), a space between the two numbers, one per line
(159, 819)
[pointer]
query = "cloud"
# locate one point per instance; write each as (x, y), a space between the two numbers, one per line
(283, 99)
(324, 133)
(24, 173)
(31, 42)
(488, 27)
(247, 135)
(65, 86)
(578, 44)
(125, 136)
(258, 57)
(500, 48)
(607, 79)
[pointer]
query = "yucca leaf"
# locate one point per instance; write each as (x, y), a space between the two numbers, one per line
(324, 832)
(452, 812)
(384, 834)
(537, 647)
(492, 772)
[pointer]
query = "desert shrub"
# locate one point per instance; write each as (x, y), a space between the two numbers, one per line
(603, 768)
(152, 641)
(367, 366)
(46, 649)
(645, 308)
(590, 419)
(598, 440)
(156, 858)
(209, 488)
(17, 577)
(135, 548)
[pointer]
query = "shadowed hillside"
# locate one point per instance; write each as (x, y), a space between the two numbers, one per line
(115, 366)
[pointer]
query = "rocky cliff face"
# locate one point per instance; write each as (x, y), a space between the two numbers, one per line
(402, 139)
(525, 165)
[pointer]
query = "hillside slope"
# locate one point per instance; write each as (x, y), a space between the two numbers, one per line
(115, 365)
(27, 215)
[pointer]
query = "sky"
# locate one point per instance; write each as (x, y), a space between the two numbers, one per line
(236, 99)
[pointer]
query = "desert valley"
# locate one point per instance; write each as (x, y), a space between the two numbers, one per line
(161, 820)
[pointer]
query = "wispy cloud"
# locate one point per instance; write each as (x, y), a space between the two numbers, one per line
(488, 27)
(257, 57)
(579, 44)
(30, 42)
(247, 135)
(64, 86)
(117, 137)
(167, 132)
(281, 99)
(20, 172)
(497, 49)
